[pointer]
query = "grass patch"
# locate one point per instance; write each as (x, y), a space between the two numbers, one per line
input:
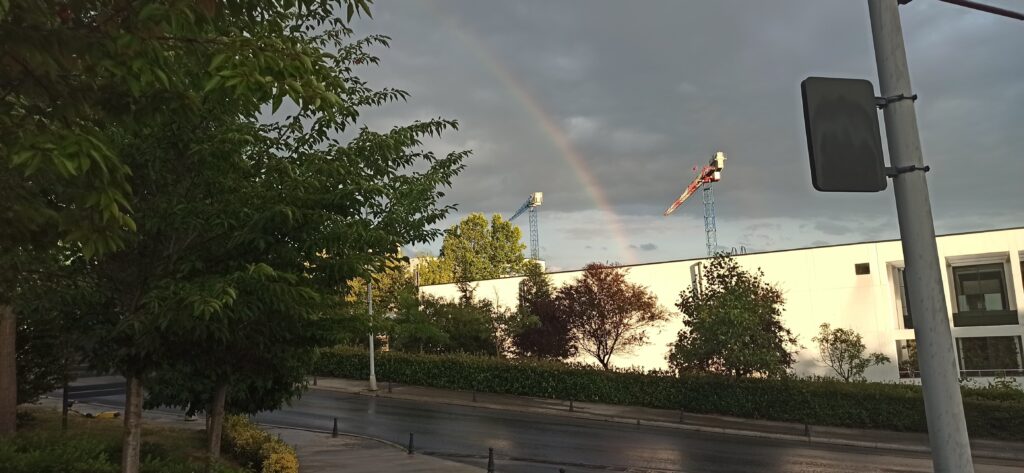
(94, 445)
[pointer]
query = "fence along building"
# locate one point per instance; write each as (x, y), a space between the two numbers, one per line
(857, 286)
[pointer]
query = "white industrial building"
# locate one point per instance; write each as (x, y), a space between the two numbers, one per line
(857, 286)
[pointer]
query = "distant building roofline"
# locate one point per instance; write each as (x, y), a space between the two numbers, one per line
(683, 260)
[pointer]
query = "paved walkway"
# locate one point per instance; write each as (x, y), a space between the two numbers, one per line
(901, 441)
(319, 453)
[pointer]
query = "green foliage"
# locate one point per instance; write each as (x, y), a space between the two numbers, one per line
(78, 73)
(57, 453)
(393, 291)
(732, 324)
(432, 270)
(550, 333)
(843, 351)
(812, 401)
(999, 389)
(475, 249)
(57, 303)
(608, 314)
(436, 325)
(247, 224)
(259, 451)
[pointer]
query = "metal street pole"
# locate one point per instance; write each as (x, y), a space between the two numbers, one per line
(947, 429)
(369, 299)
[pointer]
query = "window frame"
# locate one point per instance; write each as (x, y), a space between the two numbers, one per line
(904, 319)
(990, 372)
(977, 269)
(962, 317)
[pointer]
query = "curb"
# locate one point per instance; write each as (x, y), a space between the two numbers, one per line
(922, 449)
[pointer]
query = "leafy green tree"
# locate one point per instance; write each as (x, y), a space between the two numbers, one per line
(58, 301)
(609, 314)
(475, 249)
(843, 350)
(551, 335)
(431, 270)
(437, 325)
(77, 74)
(392, 288)
(505, 323)
(417, 328)
(248, 225)
(732, 324)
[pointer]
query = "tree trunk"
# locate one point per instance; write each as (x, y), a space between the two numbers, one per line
(132, 442)
(216, 425)
(8, 371)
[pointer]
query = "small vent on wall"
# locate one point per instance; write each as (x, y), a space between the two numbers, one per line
(862, 268)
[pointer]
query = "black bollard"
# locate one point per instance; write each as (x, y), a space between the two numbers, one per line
(314, 381)
(680, 415)
(389, 386)
(334, 432)
(807, 431)
(490, 460)
(65, 405)
(474, 395)
(570, 406)
(410, 443)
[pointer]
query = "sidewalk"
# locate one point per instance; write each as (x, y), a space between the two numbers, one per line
(319, 453)
(881, 439)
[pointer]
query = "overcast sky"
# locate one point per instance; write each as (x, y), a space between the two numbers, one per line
(605, 106)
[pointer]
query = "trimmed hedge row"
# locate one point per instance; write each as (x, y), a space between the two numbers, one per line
(818, 402)
(257, 450)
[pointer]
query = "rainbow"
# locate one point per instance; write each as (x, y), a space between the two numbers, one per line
(547, 124)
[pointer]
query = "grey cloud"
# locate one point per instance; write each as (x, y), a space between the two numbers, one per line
(832, 228)
(644, 247)
(643, 94)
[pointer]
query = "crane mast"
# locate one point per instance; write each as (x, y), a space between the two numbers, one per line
(705, 176)
(532, 203)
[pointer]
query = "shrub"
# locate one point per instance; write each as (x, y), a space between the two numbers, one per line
(819, 401)
(28, 453)
(256, 449)
(59, 453)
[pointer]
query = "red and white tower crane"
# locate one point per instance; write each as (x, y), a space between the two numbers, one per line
(706, 175)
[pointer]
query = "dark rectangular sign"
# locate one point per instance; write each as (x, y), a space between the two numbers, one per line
(843, 137)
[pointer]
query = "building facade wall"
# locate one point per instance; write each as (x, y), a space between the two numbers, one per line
(820, 285)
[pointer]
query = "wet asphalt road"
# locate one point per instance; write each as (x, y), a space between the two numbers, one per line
(527, 442)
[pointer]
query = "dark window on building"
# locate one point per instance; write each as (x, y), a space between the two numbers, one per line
(906, 358)
(862, 268)
(980, 288)
(990, 356)
(902, 297)
(981, 296)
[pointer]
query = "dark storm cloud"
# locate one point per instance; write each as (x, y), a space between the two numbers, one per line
(644, 92)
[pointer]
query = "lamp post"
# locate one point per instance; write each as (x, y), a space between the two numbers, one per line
(369, 302)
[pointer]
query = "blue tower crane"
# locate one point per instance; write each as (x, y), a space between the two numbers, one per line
(531, 204)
